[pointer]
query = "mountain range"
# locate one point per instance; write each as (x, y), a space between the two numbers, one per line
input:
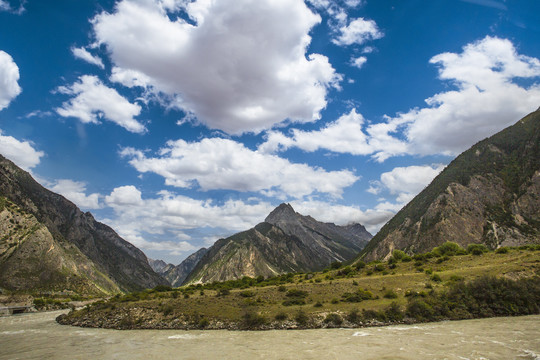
(285, 242)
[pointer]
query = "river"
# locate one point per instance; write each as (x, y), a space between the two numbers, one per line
(38, 336)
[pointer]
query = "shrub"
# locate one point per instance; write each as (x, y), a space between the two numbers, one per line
(318, 304)
(203, 323)
(335, 265)
(436, 278)
(282, 288)
(393, 312)
(354, 316)
(223, 292)
(345, 271)
(379, 267)
(252, 320)
(390, 294)
(297, 293)
(281, 316)
(360, 265)
(398, 254)
(334, 301)
(406, 258)
(420, 310)
(162, 288)
(301, 318)
(247, 293)
(502, 250)
(477, 249)
(429, 271)
(333, 318)
(448, 248)
(358, 296)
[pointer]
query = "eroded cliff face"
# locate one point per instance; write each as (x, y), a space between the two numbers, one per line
(117, 259)
(482, 212)
(490, 194)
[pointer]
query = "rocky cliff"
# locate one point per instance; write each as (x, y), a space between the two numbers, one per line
(176, 275)
(489, 194)
(285, 242)
(67, 229)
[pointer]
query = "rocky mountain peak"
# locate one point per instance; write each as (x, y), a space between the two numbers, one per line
(282, 213)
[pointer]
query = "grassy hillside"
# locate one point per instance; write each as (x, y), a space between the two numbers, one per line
(379, 292)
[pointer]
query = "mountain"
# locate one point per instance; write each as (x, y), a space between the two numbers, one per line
(489, 194)
(285, 242)
(47, 242)
(158, 265)
(177, 274)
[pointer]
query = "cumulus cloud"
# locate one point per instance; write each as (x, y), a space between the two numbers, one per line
(404, 183)
(358, 61)
(217, 163)
(9, 77)
(137, 218)
(244, 71)
(358, 31)
(93, 100)
(372, 219)
(487, 99)
(6, 6)
(21, 153)
(75, 191)
(83, 54)
(348, 134)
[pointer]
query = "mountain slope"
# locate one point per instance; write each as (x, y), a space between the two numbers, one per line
(70, 228)
(489, 194)
(285, 242)
(176, 275)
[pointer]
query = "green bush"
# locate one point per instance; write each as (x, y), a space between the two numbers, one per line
(398, 254)
(477, 249)
(282, 288)
(335, 265)
(436, 278)
(379, 267)
(247, 293)
(502, 250)
(406, 258)
(281, 316)
(333, 318)
(360, 265)
(358, 296)
(393, 312)
(448, 248)
(390, 294)
(354, 316)
(318, 304)
(301, 318)
(252, 320)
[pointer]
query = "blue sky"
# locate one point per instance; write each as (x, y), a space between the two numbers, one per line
(178, 122)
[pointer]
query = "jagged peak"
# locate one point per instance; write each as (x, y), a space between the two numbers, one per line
(282, 212)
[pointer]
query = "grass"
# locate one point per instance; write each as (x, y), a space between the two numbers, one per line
(325, 293)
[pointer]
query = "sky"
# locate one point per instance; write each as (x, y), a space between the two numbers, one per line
(179, 122)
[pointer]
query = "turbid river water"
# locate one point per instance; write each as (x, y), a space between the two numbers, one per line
(38, 336)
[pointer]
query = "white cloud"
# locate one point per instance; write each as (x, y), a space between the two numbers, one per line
(22, 153)
(75, 191)
(345, 135)
(404, 183)
(6, 6)
(487, 100)
(9, 77)
(372, 219)
(137, 218)
(358, 61)
(83, 54)
(358, 32)
(93, 101)
(217, 163)
(245, 70)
